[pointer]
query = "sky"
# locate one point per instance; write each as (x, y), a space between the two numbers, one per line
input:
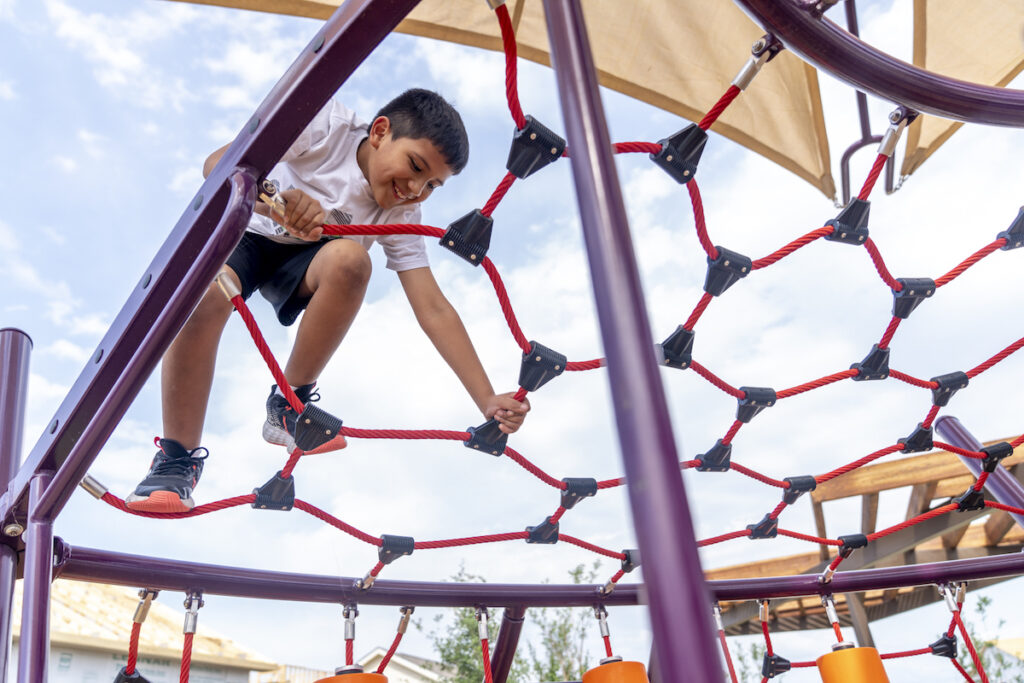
(108, 109)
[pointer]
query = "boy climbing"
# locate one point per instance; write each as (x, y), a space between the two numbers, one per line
(338, 171)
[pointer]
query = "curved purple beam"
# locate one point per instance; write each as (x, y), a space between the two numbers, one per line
(830, 48)
(89, 564)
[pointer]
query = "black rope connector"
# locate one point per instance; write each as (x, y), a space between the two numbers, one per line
(970, 500)
(755, 399)
(994, 453)
(766, 528)
(277, 494)
(576, 489)
(944, 646)
(315, 427)
(915, 290)
(717, 459)
(949, 384)
(797, 487)
(394, 547)
(851, 225)
(851, 542)
(469, 236)
(124, 677)
(724, 271)
(488, 438)
(546, 532)
(1015, 233)
(874, 366)
(774, 665)
(534, 146)
(540, 365)
(680, 153)
(677, 349)
(919, 440)
(631, 560)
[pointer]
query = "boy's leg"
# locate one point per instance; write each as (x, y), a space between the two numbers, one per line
(336, 282)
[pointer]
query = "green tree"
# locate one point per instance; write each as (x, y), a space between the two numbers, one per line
(749, 659)
(562, 652)
(998, 665)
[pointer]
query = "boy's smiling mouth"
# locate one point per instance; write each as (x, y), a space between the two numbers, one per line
(398, 194)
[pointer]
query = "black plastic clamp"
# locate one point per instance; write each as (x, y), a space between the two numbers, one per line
(755, 399)
(277, 494)
(915, 290)
(766, 528)
(1015, 233)
(545, 532)
(944, 646)
(314, 427)
(874, 366)
(970, 500)
(534, 146)
(631, 560)
(797, 487)
(949, 384)
(851, 542)
(680, 153)
(919, 440)
(994, 453)
(725, 270)
(488, 438)
(851, 225)
(576, 489)
(394, 547)
(774, 665)
(124, 677)
(717, 459)
(540, 365)
(677, 349)
(469, 236)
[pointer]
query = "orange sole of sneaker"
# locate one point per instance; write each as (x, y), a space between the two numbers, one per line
(160, 501)
(335, 444)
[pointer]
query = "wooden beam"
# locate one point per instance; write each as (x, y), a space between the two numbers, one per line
(859, 617)
(953, 538)
(996, 527)
(819, 525)
(920, 498)
(868, 513)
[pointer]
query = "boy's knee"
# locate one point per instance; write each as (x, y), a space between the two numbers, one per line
(350, 265)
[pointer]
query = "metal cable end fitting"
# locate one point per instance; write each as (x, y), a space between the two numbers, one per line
(495, 4)
(750, 69)
(602, 620)
(366, 583)
(227, 285)
(403, 623)
(763, 613)
(946, 591)
(146, 597)
(95, 489)
(829, 604)
(717, 612)
(192, 604)
(826, 576)
(481, 617)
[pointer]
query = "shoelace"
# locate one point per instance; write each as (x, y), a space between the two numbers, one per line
(179, 466)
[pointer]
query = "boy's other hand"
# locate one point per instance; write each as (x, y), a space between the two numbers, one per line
(508, 412)
(303, 216)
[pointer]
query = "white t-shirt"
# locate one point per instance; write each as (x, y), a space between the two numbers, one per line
(322, 163)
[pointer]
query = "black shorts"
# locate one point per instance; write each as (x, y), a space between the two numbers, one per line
(276, 270)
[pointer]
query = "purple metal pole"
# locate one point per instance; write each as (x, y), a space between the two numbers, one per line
(680, 605)
(15, 348)
(508, 638)
(1003, 486)
(34, 648)
(832, 49)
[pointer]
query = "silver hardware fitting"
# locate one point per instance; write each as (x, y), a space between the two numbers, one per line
(961, 592)
(192, 604)
(602, 620)
(753, 66)
(350, 613)
(763, 612)
(946, 591)
(227, 285)
(403, 623)
(14, 530)
(481, 627)
(366, 583)
(495, 4)
(826, 576)
(717, 611)
(95, 489)
(899, 119)
(829, 603)
(146, 598)
(607, 588)
(270, 194)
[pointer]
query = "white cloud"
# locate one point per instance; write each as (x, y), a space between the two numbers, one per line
(66, 164)
(7, 91)
(66, 350)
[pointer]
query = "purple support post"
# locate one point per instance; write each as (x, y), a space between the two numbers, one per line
(34, 648)
(1003, 486)
(15, 348)
(508, 639)
(679, 600)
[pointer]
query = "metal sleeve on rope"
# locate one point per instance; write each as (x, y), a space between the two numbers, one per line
(146, 597)
(227, 285)
(193, 602)
(95, 489)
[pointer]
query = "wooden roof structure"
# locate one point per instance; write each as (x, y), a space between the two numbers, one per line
(928, 481)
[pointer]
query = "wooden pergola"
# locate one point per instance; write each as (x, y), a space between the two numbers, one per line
(930, 480)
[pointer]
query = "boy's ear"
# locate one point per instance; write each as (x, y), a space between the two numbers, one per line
(379, 130)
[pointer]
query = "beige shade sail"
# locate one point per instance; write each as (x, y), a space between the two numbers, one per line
(946, 39)
(678, 56)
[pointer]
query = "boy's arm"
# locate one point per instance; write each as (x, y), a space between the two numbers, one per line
(444, 327)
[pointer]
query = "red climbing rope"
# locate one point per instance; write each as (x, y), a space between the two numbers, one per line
(186, 658)
(508, 40)
(720, 106)
(133, 649)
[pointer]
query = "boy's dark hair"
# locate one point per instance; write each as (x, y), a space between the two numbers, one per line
(423, 114)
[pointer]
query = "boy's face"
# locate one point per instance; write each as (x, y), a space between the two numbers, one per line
(402, 171)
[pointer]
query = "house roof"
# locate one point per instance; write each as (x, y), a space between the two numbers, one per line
(98, 617)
